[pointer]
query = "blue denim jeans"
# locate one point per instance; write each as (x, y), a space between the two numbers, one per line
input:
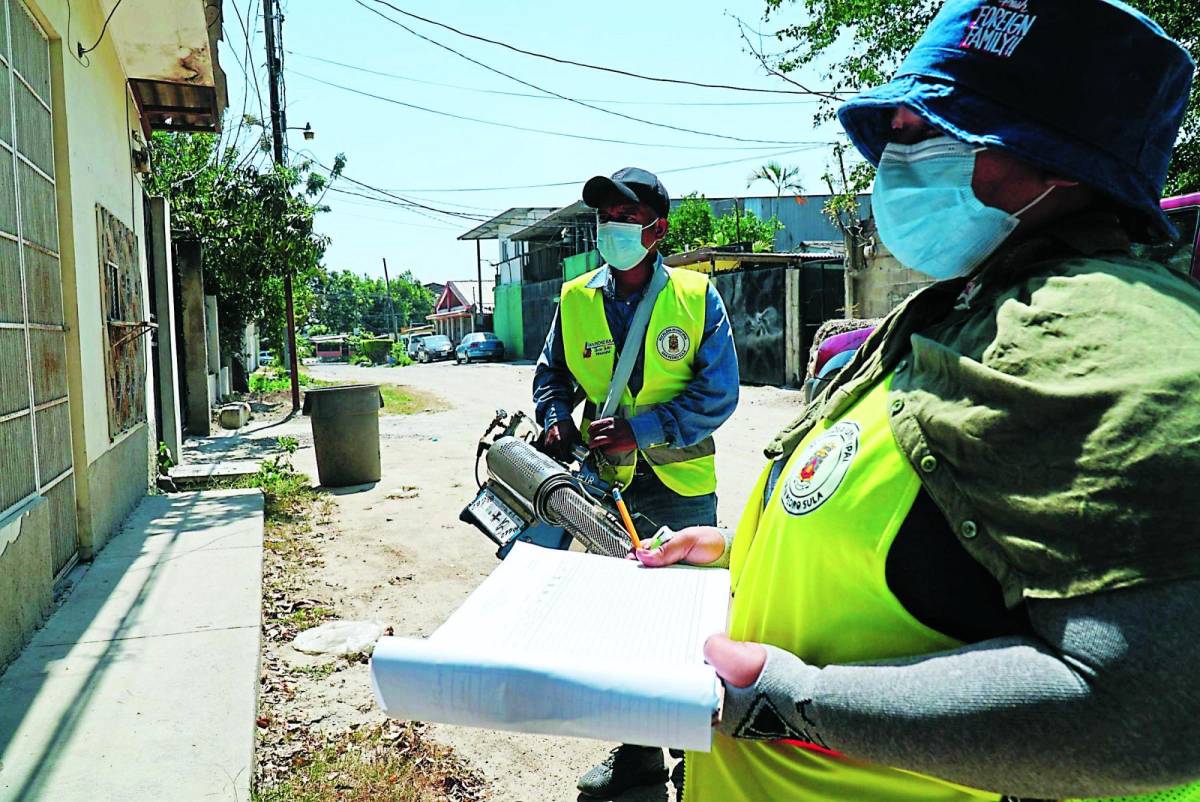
(664, 507)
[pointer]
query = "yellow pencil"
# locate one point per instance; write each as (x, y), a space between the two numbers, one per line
(637, 544)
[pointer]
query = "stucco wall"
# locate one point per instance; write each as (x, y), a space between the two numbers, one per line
(26, 586)
(93, 115)
(116, 482)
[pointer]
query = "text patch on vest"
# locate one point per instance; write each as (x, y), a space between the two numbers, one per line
(673, 343)
(820, 469)
(598, 347)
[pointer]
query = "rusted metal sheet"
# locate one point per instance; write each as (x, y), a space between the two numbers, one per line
(17, 479)
(35, 417)
(44, 281)
(171, 106)
(53, 431)
(14, 377)
(64, 531)
(121, 299)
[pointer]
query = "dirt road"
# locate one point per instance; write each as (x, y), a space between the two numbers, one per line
(401, 556)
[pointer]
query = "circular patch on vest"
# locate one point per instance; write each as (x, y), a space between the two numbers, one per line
(673, 343)
(820, 469)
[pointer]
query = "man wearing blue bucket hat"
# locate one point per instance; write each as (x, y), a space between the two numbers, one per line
(971, 568)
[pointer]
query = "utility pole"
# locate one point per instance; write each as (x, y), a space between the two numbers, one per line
(391, 303)
(479, 284)
(273, 25)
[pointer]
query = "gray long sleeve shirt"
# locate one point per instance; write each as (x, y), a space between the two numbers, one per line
(1099, 701)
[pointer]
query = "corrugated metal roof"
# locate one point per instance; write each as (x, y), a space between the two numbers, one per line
(549, 226)
(515, 216)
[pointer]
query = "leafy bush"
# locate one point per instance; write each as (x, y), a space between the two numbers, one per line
(362, 361)
(262, 383)
(400, 356)
(165, 461)
(369, 347)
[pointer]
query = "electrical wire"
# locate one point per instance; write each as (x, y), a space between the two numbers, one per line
(79, 45)
(580, 181)
(575, 101)
(250, 153)
(404, 203)
(827, 94)
(527, 129)
(394, 222)
(481, 90)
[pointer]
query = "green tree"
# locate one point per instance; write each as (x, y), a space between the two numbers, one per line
(873, 36)
(693, 225)
(777, 176)
(413, 299)
(253, 226)
(348, 303)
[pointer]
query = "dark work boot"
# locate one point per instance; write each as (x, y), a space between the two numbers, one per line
(625, 767)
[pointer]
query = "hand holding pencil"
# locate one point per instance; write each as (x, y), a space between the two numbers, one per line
(625, 519)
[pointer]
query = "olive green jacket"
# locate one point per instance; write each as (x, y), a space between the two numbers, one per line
(1051, 407)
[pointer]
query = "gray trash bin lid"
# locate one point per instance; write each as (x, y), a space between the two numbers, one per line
(350, 399)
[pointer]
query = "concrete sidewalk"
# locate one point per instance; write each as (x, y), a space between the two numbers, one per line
(143, 685)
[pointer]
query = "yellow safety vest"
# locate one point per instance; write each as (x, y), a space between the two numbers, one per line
(669, 353)
(808, 573)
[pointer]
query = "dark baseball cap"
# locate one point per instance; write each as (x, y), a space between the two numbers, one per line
(628, 185)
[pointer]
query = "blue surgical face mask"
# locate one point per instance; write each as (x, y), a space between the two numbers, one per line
(621, 244)
(927, 212)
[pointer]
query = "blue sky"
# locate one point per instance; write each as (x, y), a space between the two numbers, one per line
(418, 153)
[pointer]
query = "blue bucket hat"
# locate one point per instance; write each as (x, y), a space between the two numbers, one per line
(1090, 90)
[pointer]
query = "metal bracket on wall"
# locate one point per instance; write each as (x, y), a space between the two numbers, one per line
(136, 328)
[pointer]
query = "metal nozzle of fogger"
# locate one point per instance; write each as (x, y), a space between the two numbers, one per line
(554, 496)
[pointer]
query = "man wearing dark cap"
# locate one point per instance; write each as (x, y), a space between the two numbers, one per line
(668, 396)
(971, 567)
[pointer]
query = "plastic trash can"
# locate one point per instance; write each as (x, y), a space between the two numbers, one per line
(345, 427)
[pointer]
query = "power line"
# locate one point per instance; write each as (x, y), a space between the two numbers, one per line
(404, 203)
(403, 207)
(481, 90)
(392, 221)
(535, 130)
(580, 181)
(829, 95)
(575, 101)
(253, 74)
(83, 51)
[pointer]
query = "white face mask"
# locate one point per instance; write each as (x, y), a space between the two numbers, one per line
(927, 212)
(621, 244)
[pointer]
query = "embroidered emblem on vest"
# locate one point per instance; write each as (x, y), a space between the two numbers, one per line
(820, 469)
(673, 343)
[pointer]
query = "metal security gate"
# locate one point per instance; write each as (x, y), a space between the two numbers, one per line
(755, 302)
(35, 422)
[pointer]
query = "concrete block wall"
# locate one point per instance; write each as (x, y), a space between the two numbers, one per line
(883, 283)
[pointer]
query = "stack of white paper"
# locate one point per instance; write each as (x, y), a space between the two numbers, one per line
(565, 643)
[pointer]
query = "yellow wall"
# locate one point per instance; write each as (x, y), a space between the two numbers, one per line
(93, 115)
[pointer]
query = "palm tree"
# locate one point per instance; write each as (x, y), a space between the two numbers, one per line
(779, 176)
